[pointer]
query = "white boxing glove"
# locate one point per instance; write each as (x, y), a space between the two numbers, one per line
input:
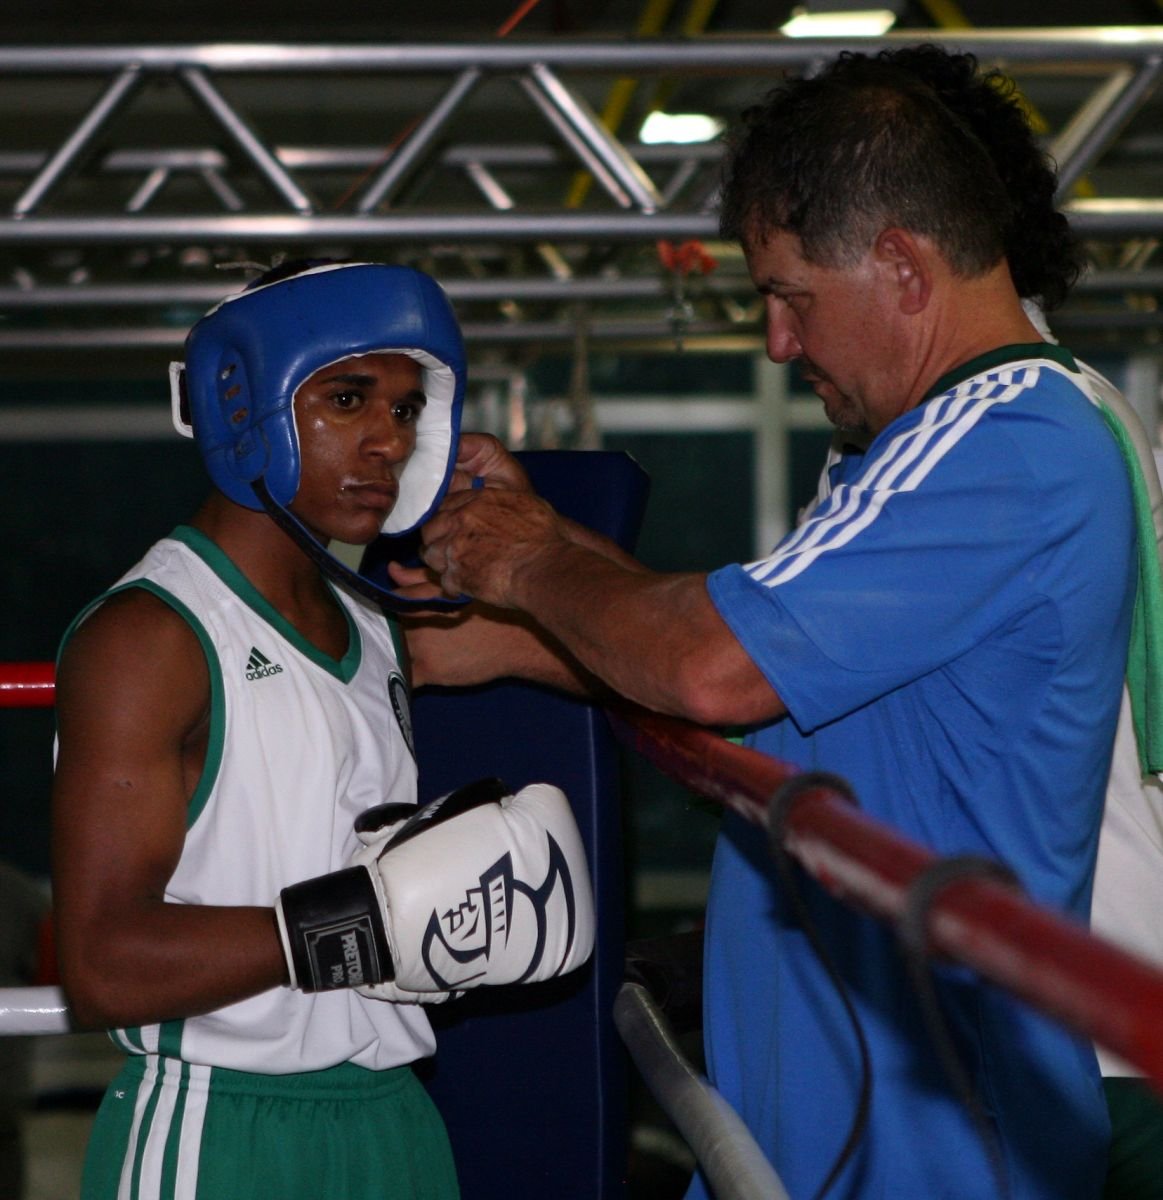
(476, 888)
(375, 828)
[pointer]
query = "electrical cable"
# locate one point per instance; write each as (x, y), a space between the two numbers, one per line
(779, 807)
(911, 928)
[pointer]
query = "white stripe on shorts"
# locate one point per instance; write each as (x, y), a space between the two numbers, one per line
(163, 1077)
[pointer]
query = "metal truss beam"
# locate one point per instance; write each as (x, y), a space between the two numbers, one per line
(111, 200)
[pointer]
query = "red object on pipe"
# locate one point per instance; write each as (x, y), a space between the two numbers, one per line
(27, 685)
(1052, 962)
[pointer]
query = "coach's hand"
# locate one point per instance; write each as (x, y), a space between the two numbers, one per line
(482, 543)
(481, 461)
(476, 888)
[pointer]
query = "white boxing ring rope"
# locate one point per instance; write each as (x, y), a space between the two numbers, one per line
(32, 1010)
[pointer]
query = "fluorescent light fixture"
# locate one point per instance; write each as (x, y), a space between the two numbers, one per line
(859, 22)
(1128, 34)
(679, 128)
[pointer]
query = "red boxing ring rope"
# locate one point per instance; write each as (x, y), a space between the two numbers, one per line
(27, 685)
(1053, 963)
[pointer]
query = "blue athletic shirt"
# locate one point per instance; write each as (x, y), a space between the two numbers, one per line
(948, 631)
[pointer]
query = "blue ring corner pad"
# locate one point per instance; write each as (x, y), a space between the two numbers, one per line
(531, 1081)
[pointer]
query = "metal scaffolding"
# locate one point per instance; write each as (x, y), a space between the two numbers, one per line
(128, 174)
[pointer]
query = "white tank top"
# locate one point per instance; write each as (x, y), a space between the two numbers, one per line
(299, 745)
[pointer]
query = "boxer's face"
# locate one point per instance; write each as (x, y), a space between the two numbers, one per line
(357, 428)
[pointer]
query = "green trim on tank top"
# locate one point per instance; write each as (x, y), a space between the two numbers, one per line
(343, 669)
(217, 735)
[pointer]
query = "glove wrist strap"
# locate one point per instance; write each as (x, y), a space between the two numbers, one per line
(334, 933)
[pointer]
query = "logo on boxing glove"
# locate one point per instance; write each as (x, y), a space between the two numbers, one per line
(501, 926)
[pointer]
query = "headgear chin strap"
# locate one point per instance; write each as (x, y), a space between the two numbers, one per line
(247, 357)
(332, 567)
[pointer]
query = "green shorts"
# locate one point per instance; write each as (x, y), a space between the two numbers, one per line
(1135, 1166)
(169, 1131)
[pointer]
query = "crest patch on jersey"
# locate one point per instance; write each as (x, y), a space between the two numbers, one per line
(398, 691)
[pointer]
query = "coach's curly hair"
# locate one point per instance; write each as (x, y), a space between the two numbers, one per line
(1044, 255)
(917, 136)
(837, 157)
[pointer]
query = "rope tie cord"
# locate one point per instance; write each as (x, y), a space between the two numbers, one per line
(807, 788)
(911, 927)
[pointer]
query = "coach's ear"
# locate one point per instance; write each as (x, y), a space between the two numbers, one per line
(907, 263)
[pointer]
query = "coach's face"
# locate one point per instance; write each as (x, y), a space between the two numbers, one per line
(841, 325)
(356, 420)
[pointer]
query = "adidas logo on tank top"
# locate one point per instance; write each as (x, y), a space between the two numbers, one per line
(258, 666)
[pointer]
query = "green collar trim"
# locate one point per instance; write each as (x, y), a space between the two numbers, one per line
(219, 562)
(1018, 352)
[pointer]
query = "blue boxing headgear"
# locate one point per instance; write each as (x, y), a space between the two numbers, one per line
(246, 358)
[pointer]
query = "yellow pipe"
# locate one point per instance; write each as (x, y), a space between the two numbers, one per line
(653, 19)
(694, 23)
(946, 13)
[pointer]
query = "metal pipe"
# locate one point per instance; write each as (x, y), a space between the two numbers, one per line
(604, 156)
(1090, 218)
(521, 288)
(200, 86)
(390, 227)
(114, 96)
(330, 158)
(1099, 121)
(405, 157)
(493, 332)
(707, 55)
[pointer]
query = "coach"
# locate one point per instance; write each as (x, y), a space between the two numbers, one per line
(947, 631)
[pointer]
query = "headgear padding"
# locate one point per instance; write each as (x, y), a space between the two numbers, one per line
(246, 358)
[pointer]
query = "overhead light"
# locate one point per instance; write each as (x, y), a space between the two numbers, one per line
(679, 128)
(833, 18)
(1126, 34)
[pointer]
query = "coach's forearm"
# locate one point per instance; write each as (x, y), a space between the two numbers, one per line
(582, 535)
(656, 639)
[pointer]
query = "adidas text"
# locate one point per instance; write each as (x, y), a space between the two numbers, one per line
(263, 672)
(258, 666)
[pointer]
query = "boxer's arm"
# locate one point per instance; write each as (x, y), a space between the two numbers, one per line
(132, 699)
(479, 644)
